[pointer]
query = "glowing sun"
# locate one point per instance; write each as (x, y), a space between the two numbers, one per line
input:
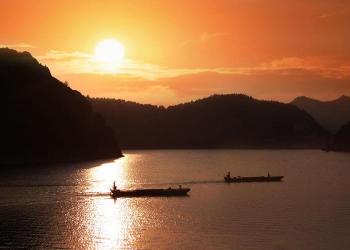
(109, 51)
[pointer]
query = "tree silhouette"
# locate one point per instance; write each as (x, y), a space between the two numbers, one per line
(219, 121)
(43, 120)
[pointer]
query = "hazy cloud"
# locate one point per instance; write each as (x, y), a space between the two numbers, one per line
(203, 38)
(331, 14)
(16, 46)
(283, 85)
(54, 55)
(279, 79)
(61, 62)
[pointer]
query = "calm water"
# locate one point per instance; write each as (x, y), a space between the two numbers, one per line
(68, 206)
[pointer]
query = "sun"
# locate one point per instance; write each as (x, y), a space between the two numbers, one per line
(110, 52)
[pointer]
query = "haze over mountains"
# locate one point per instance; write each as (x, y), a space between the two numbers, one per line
(219, 121)
(45, 121)
(332, 115)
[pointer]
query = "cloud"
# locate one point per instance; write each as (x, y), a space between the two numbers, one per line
(283, 85)
(327, 15)
(56, 55)
(62, 62)
(203, 38)
(279, 79)
(17, 46)
(206, 37)
(331, 67)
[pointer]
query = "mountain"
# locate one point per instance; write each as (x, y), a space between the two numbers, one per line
(330, 114)
(219, 121)
(342, 139)
(45, 121)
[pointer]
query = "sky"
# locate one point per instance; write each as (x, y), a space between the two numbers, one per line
(177, 51)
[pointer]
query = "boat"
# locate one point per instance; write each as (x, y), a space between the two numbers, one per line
(150, 192)
(325, 149)
(268, 178)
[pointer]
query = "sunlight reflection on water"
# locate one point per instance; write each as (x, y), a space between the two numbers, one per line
(112, 221)
(103, 176)
(111, 226)
(310, 209)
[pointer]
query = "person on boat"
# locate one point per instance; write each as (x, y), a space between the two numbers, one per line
(228, 174)
(268, 174)
(114, 186)
(180, 186)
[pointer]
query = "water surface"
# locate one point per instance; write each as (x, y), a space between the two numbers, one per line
(67, 206)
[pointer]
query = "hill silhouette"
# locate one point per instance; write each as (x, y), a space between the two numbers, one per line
(330, 114)
(342, 139)
(45, 121)
(219, 121)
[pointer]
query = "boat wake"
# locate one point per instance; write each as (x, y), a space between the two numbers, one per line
(38, 185)
(154, 185)
(187, 182)
(96, 194)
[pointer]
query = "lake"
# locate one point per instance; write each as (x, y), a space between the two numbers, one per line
(68, 206)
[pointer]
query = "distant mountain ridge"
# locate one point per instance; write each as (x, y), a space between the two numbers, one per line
(45, 121)
(342, 139)
(332, 115)
(218, 121)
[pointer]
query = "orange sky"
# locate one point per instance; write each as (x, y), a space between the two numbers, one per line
(181, 50)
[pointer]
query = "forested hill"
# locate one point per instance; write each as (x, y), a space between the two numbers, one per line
(342, 139)
(219, 121)
(332, 115)
(45, 121)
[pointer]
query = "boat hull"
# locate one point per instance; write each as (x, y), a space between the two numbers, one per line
(149, 192)
(252, 179)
